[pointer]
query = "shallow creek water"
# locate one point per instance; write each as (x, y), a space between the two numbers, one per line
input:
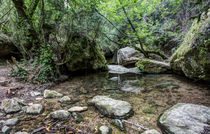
(148, 94)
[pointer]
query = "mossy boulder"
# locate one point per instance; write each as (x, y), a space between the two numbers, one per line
(6, 45)
(84, 54)
(192, 58)
(152, 66)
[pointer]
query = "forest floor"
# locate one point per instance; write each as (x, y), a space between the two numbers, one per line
(148, 104)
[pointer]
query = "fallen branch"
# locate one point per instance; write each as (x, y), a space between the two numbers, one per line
(135, 124)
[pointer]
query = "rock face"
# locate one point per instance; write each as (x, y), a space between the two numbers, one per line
(84, 54)
(192, 58)
(34, 109)
(6, 45)
(152, 66)
(118, 69)
(11, 105)
(185, 119)
(127, 56)
(60, 115)
(52, 94)
(111, 107)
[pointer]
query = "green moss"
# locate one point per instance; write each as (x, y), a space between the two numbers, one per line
(192, 57)
(151, 66)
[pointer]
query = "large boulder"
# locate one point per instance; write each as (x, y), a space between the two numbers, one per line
(6, 45)
(118, 69)
(84, 54)
(192, 58)
(152, 66)
(185, 119)
(127, 56)
(111, 107)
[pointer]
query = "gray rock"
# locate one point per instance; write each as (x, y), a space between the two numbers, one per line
(10, 105)
(118, 69)
(12, 122)
(128, 55)
(1, 114)
(119, 124)
(185, 119)
(60, 115)
(34, 93)
(34, 109)
(21, 133)
(105, 130)
(6, 130)
(152, 131)
(111, 107)
(52, 94)
(77, 109)
(65, 99)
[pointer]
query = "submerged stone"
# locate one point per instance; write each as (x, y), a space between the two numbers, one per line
(10, 105)
(65, 99)
(34, 109)
(119, 124)
(12, 122)
(152, 66)
(52, 94)
(6, 130)
(185, 119)
(60, 115)
(105, 130)
(111, 107)
(21, 133)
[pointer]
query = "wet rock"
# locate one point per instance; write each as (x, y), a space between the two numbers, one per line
(60, 115)
(77, 117)
(10, 105)
(111, 107)
(83, 90)
(21, 133)
(114, 79)
(65, 99)
(128, 55)
(105, 130)
(153, 66)
(52, 94)
(167, 84)
(152, 131)
(34, 93)
(12, 122)
(119, 124)
(118, 69)
(77, 109)
(185, 119)
(6, 130)
(131, 86)
(34, 109)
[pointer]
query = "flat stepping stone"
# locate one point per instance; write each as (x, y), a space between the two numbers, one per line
(78, 109)
(185, 119)
(52, 94)
(111, 107)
